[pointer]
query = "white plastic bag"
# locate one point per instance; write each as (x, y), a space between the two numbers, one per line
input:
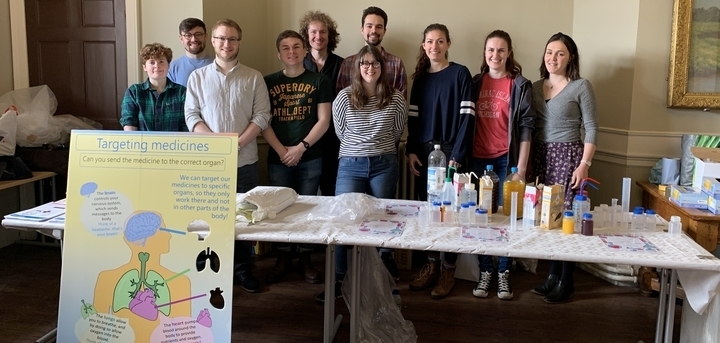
(348, 207)
(8, 130)
(264, 202)
(35, 108)
(380, 319)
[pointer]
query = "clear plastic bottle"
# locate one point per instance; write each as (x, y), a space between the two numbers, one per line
(436, 174)
(465, 214)
(436, 216)
(580, 206)
(513, 183)
(587, 225)
(469, 194)
(675, 225)
(495, 187)
(481, 217)
(448, 212)
(638, 219)
(448, 191)
(650, 220)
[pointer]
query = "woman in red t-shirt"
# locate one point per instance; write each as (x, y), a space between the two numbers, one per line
(504, 123)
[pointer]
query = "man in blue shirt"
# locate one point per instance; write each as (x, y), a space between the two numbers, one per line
(192, 35)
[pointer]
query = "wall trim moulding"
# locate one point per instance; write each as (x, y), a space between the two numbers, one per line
(636, 148)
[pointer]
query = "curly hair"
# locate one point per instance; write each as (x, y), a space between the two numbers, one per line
(333, 34)
(155, 51)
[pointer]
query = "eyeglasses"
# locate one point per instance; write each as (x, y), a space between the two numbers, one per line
(367, 65)
(197, 35)
(231, 40)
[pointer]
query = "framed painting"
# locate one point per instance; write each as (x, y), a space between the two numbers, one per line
(694, 75)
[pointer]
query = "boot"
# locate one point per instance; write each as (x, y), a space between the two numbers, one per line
(307, 270)
(427, 278)
(444, 285)
(546, 286)
(283, 265)
(562, 292)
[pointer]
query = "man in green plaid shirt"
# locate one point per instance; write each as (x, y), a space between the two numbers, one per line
(157, 104)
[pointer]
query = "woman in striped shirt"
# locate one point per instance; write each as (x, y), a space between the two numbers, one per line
(369, 118)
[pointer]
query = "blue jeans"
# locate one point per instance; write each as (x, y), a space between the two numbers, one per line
(373, 175)
(500, 168)
(247, 179)
(485, 263)
(304, 178)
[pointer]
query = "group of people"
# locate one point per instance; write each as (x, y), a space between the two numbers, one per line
(334, 124)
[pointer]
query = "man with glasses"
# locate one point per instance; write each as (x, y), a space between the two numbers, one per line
(228, 96)
(192, 36)
(374, 26)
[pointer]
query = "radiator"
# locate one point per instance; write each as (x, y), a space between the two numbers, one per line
(404, 189)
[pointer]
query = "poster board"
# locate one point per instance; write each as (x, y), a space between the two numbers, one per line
(132, 270)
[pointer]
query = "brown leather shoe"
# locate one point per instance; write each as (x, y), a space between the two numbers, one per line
(427, 278)
(445, 284)
(307, 270)
(283, 265)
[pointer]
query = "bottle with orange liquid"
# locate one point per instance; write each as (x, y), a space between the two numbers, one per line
(513, 183)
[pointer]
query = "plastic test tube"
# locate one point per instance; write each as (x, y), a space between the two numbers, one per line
(605, 210)
(613, 213)
(513, 211)
(626, 195)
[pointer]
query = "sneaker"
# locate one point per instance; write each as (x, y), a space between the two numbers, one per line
(338, 292)
(390, 265)
(427, 278)
(248, 282)
(445, 284)
(483, 286)
(504, 290)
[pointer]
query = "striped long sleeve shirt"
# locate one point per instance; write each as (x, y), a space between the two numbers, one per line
(368, 131)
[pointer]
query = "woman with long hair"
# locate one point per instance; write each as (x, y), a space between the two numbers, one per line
(441, 112)
(565, 105)
(369, 118)
(503, 131)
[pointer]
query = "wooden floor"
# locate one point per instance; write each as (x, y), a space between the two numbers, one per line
(287, 312)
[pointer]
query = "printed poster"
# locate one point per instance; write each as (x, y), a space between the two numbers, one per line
(132, 271)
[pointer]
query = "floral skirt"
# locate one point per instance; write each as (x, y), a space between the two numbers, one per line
(554, 163)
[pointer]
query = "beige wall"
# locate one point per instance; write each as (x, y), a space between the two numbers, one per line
(627, 61)
(6, 73)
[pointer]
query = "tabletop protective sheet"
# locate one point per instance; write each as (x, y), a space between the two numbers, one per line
(336, 220)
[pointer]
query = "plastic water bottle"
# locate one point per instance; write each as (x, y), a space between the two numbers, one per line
(481, 217)
(513, 183)
(436, 174)
(469, 194)
(638, 219)
(580, 206)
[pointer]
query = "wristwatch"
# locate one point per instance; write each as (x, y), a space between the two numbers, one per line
(306, 145)
(589, 163)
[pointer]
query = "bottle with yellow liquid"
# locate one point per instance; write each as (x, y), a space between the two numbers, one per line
(513, 183)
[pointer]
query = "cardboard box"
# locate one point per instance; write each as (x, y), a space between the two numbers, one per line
(553, 198)
(712, 205)
(533, 197)
(459, 181)
(707, 164)
(688, 197)
(711, 187)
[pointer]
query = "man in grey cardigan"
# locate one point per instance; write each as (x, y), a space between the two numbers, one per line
(227, 96)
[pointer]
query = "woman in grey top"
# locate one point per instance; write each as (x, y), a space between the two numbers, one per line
(565, 106)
